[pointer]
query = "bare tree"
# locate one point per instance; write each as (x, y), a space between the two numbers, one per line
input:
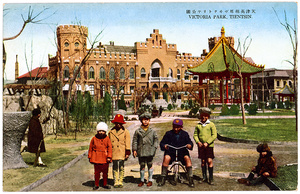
(292, 32)
(82, 63)
(31, 18)
(238, 68)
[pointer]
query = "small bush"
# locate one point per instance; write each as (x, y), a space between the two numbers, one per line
(212, 106)
(262, 105)
(273, 105)
(225, 110)
(280, 105)
(292, 104)
(170, 107)
(234, 109)
(287, 104)
(182, 106)
(246, 107)
(252, 109)
(193, 112)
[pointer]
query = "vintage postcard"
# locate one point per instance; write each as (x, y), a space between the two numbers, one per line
(182, 96)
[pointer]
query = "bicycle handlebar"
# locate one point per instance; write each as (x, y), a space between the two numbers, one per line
(176, 148)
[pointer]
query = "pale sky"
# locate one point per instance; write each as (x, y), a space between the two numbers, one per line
(127, 23)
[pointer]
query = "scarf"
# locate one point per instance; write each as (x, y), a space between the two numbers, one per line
(204, 124)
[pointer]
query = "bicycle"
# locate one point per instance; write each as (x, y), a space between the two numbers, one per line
(176, 165)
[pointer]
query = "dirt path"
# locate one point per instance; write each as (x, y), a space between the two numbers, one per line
(232, 161)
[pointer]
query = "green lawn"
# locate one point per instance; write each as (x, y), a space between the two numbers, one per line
(287, 177)
(258, 129)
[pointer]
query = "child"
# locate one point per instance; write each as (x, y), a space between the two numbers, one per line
(144, 145)
(100, 153)
(266, 167)
(177, 138)
(204, 135)
(120, 139)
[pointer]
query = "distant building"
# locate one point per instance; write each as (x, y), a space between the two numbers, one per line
(270, 81)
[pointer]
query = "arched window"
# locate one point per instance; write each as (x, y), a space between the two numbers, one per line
(112, 73)
(178, 74)
(102, 73)
(170, 72)
(186, 75)
(66, 72)
(92, 90)
(143, 72)
(91, 73)
(75, 69)
(122, 73)
(131, 73)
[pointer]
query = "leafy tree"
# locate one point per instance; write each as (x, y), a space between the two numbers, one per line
(121, 103)
(107, 107)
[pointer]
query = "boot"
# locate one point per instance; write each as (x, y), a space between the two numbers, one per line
(211, 178)
(121, 177)
(246, 180)
(191, 182)
(162, 182)
(190, 176)
(116, 178)
(173, 181)
(164, 172)
(204, 173)
(259, 180)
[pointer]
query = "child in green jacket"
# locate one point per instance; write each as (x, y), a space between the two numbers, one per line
(204, 136)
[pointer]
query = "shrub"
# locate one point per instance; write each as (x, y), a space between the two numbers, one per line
(252, 109)
(280, 105)
(273, 105)
(287, 104)
(193, 112)
(234, 109)
(225, 110)
(170, 106)
(212, 106)
(292, 104)
(182, 106)
(262, 105)
(246, 107)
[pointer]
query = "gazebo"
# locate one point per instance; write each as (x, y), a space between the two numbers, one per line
(286, 91)
(220, 65)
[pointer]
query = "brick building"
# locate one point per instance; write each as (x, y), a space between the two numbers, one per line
(150, 64)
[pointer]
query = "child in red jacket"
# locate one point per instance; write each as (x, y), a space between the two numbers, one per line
(100, 154)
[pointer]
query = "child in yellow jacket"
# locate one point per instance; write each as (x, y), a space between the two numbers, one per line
(204, 136)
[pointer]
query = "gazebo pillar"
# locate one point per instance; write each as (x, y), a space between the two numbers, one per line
(244, 92)
(221, 90)
(226, 90)
(248, 89)
(200, 92)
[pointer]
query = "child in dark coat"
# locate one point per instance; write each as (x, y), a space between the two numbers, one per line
(100, 154)
(177, 138)
(266, 167)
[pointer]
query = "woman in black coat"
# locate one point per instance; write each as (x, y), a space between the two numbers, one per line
(36, 136)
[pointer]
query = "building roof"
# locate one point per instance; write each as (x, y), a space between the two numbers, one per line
(272, 72)
(39, 72)
(286, 90)
(223, 58)
(121, 49)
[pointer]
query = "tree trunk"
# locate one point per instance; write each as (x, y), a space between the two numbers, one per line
(242, 100)
(295, 94)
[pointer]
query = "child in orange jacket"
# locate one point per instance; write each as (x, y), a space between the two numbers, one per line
(100, 154)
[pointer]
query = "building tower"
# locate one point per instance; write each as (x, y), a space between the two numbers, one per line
(71, 40)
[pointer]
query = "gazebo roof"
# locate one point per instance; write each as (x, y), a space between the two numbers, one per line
(223, 58)
(286, 90)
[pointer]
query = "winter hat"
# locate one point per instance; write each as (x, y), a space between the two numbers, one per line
(36, 112)
(102, 127)
(178, 122)
(205, 110)
(118, 119)
(145, 115)
(263, 148)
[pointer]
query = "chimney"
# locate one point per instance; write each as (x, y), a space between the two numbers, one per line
(16, 68)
